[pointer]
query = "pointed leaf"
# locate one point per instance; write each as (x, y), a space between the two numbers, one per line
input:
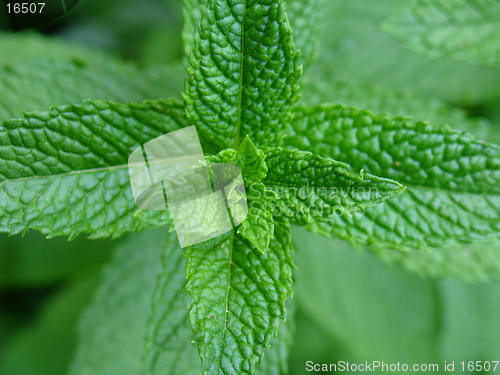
(311, 188)
(453, 180)
(238, 298)
(305, 17)
(244, 73)
(258, 227)
(251, 161)
(65, 171)
(168, 347)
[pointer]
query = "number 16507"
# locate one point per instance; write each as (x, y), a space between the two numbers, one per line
(25, 8)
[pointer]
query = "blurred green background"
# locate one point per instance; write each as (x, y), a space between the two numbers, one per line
(352, 306)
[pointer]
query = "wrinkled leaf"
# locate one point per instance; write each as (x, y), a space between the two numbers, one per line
(453, 192)
(310, 187)
(244, 73)
(238, 297)
(168, 344)
(65, 171)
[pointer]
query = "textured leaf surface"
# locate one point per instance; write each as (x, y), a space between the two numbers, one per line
(168, 344)
(452, 178)
(238, 298)
(310, 187)
(168, 347)
(304, 17)
(143, 289)
(258, 227)
(398, 103)
(65, 171)
(38, 85)
(244, 72)
(467, 30)
(471, 262)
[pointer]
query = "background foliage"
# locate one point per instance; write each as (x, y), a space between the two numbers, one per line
(351, 304)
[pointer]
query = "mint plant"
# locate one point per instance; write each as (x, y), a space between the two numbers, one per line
(381, 180)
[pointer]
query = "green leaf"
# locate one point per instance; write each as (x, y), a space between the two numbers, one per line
(238, 296)
(251, 161)
(244, 73)
(258, 227)
(305, 22)
(465, 30)
(42, 84)
(453, 193)
(471, 263)
(65, 171)
(397, 103)
(146, 295)
(310, 187)
(168, 347)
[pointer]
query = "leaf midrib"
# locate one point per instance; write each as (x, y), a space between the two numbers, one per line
(96, 170)
(240, 103)
(226, 310)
